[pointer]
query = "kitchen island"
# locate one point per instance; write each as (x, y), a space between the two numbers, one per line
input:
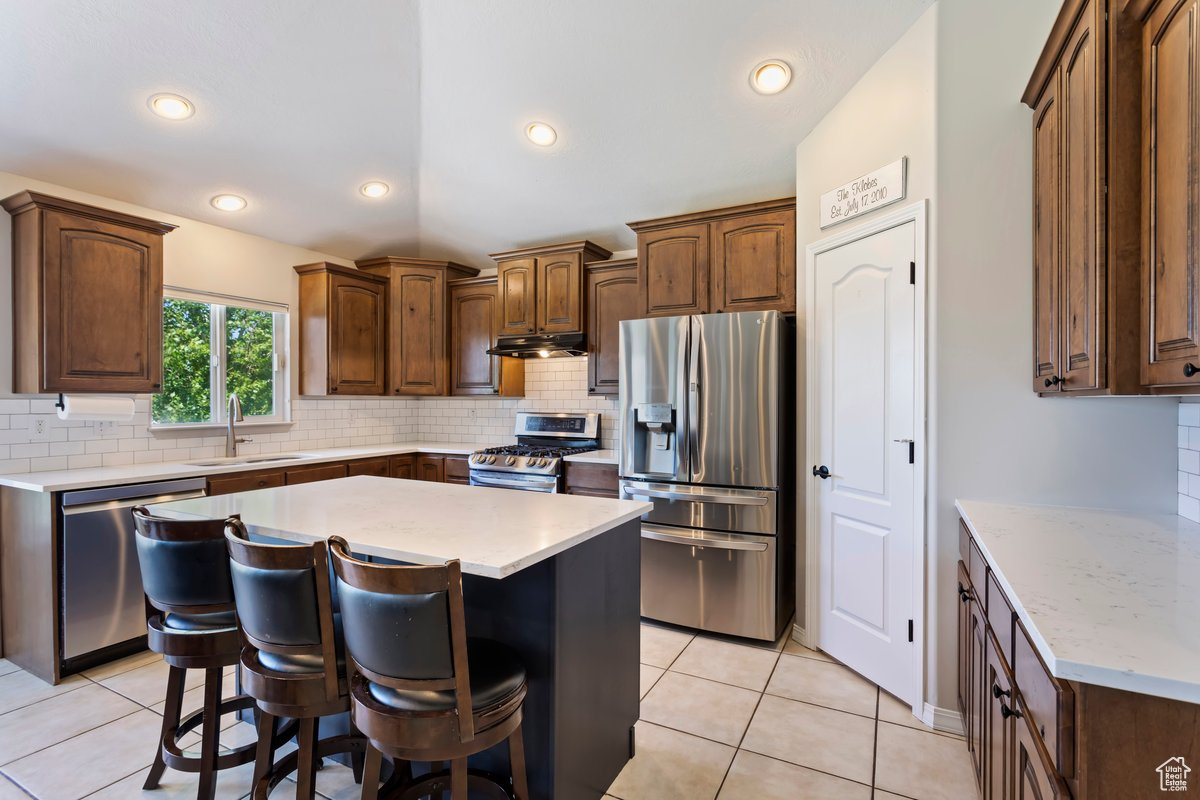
(554, 576)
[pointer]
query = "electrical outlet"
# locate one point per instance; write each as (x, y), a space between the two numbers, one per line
(105, 429)
(39, 430)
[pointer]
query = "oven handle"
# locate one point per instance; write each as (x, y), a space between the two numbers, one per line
(548, 485)
(690, 496)
(664, 534)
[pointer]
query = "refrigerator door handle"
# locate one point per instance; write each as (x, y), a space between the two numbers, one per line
(699, 539)
(693, 378)
(664, 493)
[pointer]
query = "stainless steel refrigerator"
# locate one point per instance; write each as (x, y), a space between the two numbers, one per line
(707, 409)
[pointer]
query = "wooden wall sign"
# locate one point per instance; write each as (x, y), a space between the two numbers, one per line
(874, 190)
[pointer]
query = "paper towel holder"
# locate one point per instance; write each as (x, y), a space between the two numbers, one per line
(61, 403)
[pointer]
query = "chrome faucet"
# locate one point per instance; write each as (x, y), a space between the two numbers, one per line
(234, 415)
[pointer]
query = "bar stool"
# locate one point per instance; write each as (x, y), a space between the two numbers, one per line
(185, 575)
(291, 663)
(419, 689)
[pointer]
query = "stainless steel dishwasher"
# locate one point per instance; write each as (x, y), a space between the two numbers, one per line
(103, 606)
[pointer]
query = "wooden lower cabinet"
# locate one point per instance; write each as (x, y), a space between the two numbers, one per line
(455, 469)
(244, 481)
(403, 466)
(380, 467)
(594, 480)
(1033, 776)
(316, 472)
(430, 468)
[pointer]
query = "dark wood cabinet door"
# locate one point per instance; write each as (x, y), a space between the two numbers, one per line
(419, 360)
(515, 289)
(675, 269)
(998, 727)
(430, 468)
(612, 296)
(455, 469)
(1047, 250)
(403, 466)
(977, 707)
(964, 648)
(1034, 776)
(472, 333)
(560, 293)
(1084, 270)
(754, 262)
(379, 467)
(357, 336)
(1171, 193)
(244, 481)
(593, 480)
(102, 312)
(315, 472)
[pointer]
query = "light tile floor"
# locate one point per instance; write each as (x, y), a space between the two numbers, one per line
(726, 719)
(720, 719)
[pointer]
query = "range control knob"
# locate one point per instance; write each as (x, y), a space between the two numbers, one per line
(510, 460)
(475, 458)
(491, 459)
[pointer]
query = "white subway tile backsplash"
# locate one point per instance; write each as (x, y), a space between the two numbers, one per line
(1189, 459)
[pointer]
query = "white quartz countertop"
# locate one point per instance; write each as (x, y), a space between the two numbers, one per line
(494, 532)
(595, 457)
(1110, 598)
(92, 477)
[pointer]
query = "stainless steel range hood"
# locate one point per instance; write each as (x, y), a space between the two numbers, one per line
(550, 345)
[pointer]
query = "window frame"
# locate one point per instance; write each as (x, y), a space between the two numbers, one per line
(218, 358)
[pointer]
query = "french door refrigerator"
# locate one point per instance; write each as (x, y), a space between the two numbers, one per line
(707, 436)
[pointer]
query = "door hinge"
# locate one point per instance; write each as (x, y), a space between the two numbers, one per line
(912, 452)
(912, 272)
(910, 630)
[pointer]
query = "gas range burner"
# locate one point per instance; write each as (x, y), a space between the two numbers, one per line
(532, 451)
(543, 440)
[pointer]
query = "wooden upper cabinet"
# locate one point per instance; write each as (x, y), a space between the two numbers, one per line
(540, 289)
(517, 290)
(754, 262)
(418, 344)
(1047, 242)
(675, 270)
(343, 326)
(560, 293)
(741, 258)
(87, 297)
(1085, 95)
(1171, 200)
(612, 296)
(473, 312)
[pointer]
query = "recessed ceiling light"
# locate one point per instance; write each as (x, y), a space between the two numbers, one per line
(228, 202)
(374, 189)
(171, 106)
(541, 134)
(771, 77)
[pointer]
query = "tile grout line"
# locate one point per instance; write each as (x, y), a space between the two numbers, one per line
(875, 744)
(7, 764)
(749, 722)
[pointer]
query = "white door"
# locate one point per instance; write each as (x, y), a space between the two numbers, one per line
(864, 344)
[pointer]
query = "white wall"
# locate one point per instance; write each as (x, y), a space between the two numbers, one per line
(889, 113)
(994, 438)
(948, 96)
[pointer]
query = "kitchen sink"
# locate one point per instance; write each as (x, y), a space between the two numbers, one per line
(236, 460)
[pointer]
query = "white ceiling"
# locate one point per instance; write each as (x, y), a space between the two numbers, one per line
(301, 101)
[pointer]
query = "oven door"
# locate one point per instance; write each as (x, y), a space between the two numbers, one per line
(515, 480)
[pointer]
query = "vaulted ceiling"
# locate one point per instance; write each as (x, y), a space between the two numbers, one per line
(298, 102)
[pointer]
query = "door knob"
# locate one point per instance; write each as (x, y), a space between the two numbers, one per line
(821, 472)
(1054, 380)
(1190, 369)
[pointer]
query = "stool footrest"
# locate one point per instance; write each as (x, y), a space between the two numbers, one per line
(433, 784)
(345, 743)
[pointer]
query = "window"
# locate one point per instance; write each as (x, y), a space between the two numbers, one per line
(215, 346)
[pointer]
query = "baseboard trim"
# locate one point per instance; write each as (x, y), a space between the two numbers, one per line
(801, 636)
(943, 719)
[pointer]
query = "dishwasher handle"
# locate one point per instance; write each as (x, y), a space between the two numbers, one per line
(111, 505)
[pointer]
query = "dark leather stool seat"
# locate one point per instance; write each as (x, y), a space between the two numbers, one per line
(497, 675)
(419, 689)
(185, 574)
(292, 661)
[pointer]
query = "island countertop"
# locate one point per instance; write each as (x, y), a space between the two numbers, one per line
(494, 532)
(1110, 598)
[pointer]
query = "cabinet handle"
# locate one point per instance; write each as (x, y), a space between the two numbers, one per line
(1007, 712)
(156, 386)
(1054, 381)
(1190, 369)
(963, 594)
(997, 692)
(333, 389)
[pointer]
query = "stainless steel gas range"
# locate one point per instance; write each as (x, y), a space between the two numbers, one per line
(535, 462)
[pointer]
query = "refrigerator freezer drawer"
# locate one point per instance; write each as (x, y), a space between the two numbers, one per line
(705, 507)
(724, 583)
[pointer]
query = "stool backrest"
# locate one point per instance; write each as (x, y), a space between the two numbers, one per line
(284, 601)
(405, 626)
(184, 564)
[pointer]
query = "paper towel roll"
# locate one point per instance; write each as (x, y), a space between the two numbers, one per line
(85, 407)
